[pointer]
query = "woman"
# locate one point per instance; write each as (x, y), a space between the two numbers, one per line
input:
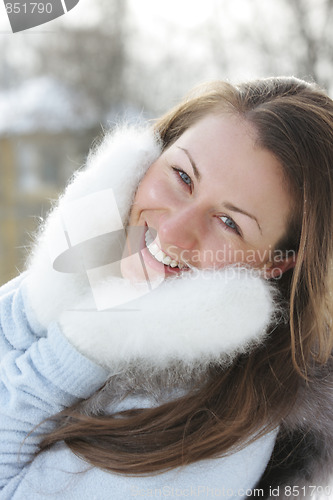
(180, 353)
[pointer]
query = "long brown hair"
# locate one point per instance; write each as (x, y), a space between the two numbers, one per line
(294, 121)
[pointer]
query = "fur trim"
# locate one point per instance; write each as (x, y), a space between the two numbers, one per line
(303, 454)
(197, 319)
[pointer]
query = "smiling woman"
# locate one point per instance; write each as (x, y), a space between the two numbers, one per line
(214, 371)
(203, 199)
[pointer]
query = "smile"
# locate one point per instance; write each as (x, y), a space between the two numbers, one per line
(159, 255)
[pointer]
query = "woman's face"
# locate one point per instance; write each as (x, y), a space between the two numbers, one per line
(211, 199)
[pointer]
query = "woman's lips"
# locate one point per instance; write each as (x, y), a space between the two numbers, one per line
(150, 260)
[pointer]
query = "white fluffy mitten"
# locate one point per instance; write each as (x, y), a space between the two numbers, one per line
(94, 205)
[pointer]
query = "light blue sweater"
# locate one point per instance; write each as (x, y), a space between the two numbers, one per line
(41, 373)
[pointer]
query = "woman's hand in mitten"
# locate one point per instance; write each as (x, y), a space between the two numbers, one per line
(85, 230)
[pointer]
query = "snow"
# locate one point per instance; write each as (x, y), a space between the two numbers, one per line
(43, 104)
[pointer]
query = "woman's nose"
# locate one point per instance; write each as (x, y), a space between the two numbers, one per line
(180, 228)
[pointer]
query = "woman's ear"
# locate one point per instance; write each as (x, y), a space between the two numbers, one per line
(276, 268)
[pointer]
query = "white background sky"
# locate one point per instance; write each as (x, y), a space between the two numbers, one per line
(148, 14)
(184, 12)
(162, 25)
(176, 30)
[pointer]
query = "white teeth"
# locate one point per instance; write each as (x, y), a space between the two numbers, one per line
(153, 248)
(159, 255)
(167, 260)
(148, 237)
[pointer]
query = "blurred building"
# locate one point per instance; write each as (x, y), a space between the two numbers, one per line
(45, 134)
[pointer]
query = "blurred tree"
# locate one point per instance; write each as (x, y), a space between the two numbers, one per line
(270, 38)
(113, 62)
(91, 59)
(314, 25)
(37, 159)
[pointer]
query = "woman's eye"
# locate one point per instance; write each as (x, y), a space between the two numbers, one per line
(229, 223)
(183, 176)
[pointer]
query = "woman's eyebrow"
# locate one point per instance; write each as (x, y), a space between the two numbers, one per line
(195, 169)
(233, 208)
